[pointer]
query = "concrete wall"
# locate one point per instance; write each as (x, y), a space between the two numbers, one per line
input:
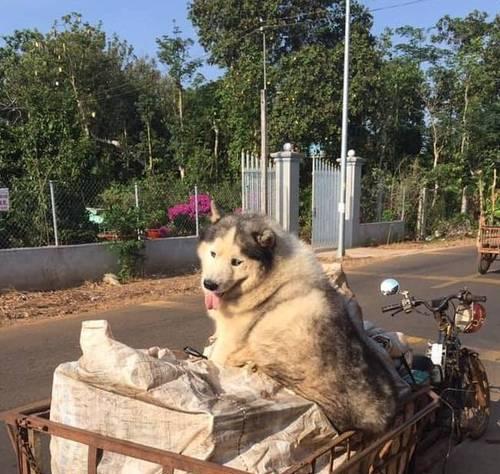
(47, 268)
(380, 233)
(174, 254)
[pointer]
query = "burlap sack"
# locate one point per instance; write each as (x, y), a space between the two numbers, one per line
(229, 416)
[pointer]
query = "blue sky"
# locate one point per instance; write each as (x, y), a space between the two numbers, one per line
(140, 23)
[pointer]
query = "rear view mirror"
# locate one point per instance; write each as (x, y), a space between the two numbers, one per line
(389, 286)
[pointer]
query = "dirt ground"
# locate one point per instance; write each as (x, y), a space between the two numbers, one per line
(24, 306)
(16, 306)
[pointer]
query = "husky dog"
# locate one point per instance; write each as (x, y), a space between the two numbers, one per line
(274, 308)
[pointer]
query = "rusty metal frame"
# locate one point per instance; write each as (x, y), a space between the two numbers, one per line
(389, 454)
(35, 418)
(489, 239)
(392, 452)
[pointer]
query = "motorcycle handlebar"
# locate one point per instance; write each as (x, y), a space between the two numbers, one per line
(470, 298)
(466, 297)
(391, 307)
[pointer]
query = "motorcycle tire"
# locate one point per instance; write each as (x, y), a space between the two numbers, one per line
(475, 414)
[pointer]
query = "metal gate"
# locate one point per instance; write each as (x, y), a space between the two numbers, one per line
(251, 184)
(325, 203)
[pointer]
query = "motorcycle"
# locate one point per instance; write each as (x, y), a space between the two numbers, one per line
(455, 372)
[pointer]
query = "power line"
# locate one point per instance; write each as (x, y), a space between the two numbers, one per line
(305, 17)
(396, 5)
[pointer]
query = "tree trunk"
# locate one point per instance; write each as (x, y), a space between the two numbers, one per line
(180, 105)
(464, 206)
(464, 120)
(493, 196)
(150, 148)
(216, 149)
(481, 198)
(436, 150)
(79, 104)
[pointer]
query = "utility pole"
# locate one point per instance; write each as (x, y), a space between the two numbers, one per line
(263, 130)
(343, 148)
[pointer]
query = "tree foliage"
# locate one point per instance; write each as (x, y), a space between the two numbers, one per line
(78, 107)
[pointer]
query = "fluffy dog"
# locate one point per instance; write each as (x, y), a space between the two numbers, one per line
(274, 308)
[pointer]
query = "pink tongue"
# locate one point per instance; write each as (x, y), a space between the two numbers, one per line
(212, 301)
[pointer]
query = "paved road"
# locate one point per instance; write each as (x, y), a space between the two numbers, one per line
(29, 353)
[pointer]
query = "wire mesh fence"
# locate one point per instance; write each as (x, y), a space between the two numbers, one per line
(26, 219)
(383, 198)
(68, 213)
(427, 212)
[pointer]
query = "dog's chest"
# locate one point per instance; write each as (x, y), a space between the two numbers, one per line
(231, 335)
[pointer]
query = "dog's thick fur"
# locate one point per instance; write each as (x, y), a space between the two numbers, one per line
(278, 311)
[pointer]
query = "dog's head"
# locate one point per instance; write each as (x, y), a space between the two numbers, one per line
(235, 252)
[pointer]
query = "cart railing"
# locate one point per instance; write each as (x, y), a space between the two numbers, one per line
(393, 449)
(391, 453)
(489, 239)
(23, 422)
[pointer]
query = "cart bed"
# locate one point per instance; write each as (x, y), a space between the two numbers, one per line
(391, 453)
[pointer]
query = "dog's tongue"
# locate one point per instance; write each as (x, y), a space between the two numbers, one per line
(212, 301)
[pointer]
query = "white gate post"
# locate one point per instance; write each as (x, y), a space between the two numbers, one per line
(287, 166)
(353, 198)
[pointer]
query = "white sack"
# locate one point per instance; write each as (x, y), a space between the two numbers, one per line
(194, 407)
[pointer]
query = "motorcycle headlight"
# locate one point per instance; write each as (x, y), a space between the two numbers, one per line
(470, 318)
(478, 318)
(463, 317)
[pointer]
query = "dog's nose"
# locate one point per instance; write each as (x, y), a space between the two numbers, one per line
(210, 284)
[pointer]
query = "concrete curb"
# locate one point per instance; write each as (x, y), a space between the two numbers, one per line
(372, 254)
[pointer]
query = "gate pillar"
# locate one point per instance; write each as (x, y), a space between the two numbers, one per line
(287, 168)
(353, 199)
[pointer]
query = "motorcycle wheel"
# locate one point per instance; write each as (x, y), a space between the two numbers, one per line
(475, 414)
(484, 262)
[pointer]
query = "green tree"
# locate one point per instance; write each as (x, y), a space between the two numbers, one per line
(173, 51)
(304, 62)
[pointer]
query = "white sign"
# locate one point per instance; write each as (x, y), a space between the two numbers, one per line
(4, 199)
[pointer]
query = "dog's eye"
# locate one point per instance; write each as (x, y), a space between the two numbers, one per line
(213, 254)
(235, 262)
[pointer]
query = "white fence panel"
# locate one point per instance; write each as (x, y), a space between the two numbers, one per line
(251, 185)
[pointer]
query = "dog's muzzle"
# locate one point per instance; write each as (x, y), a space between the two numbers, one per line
(210, 284)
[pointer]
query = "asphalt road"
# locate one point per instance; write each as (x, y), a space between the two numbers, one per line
(29, 353)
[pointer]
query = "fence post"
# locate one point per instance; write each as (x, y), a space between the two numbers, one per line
(136, 196)
(196, 216)
(380, 200)
(402, 217)
(136, 193)
(287, 167)
(353, 198)
(421, 214)
(243, 184)
(54, 217)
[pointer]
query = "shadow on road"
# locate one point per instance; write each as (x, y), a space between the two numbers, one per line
(480, 456)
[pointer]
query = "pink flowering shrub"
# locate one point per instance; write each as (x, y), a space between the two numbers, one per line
(203, 203)
(180, 210)
(183, 215)
(165, 231)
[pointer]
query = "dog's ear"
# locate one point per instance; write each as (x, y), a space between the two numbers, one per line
(215, 213)
(266, 239)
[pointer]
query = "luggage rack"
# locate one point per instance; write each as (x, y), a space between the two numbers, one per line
(391, 453)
